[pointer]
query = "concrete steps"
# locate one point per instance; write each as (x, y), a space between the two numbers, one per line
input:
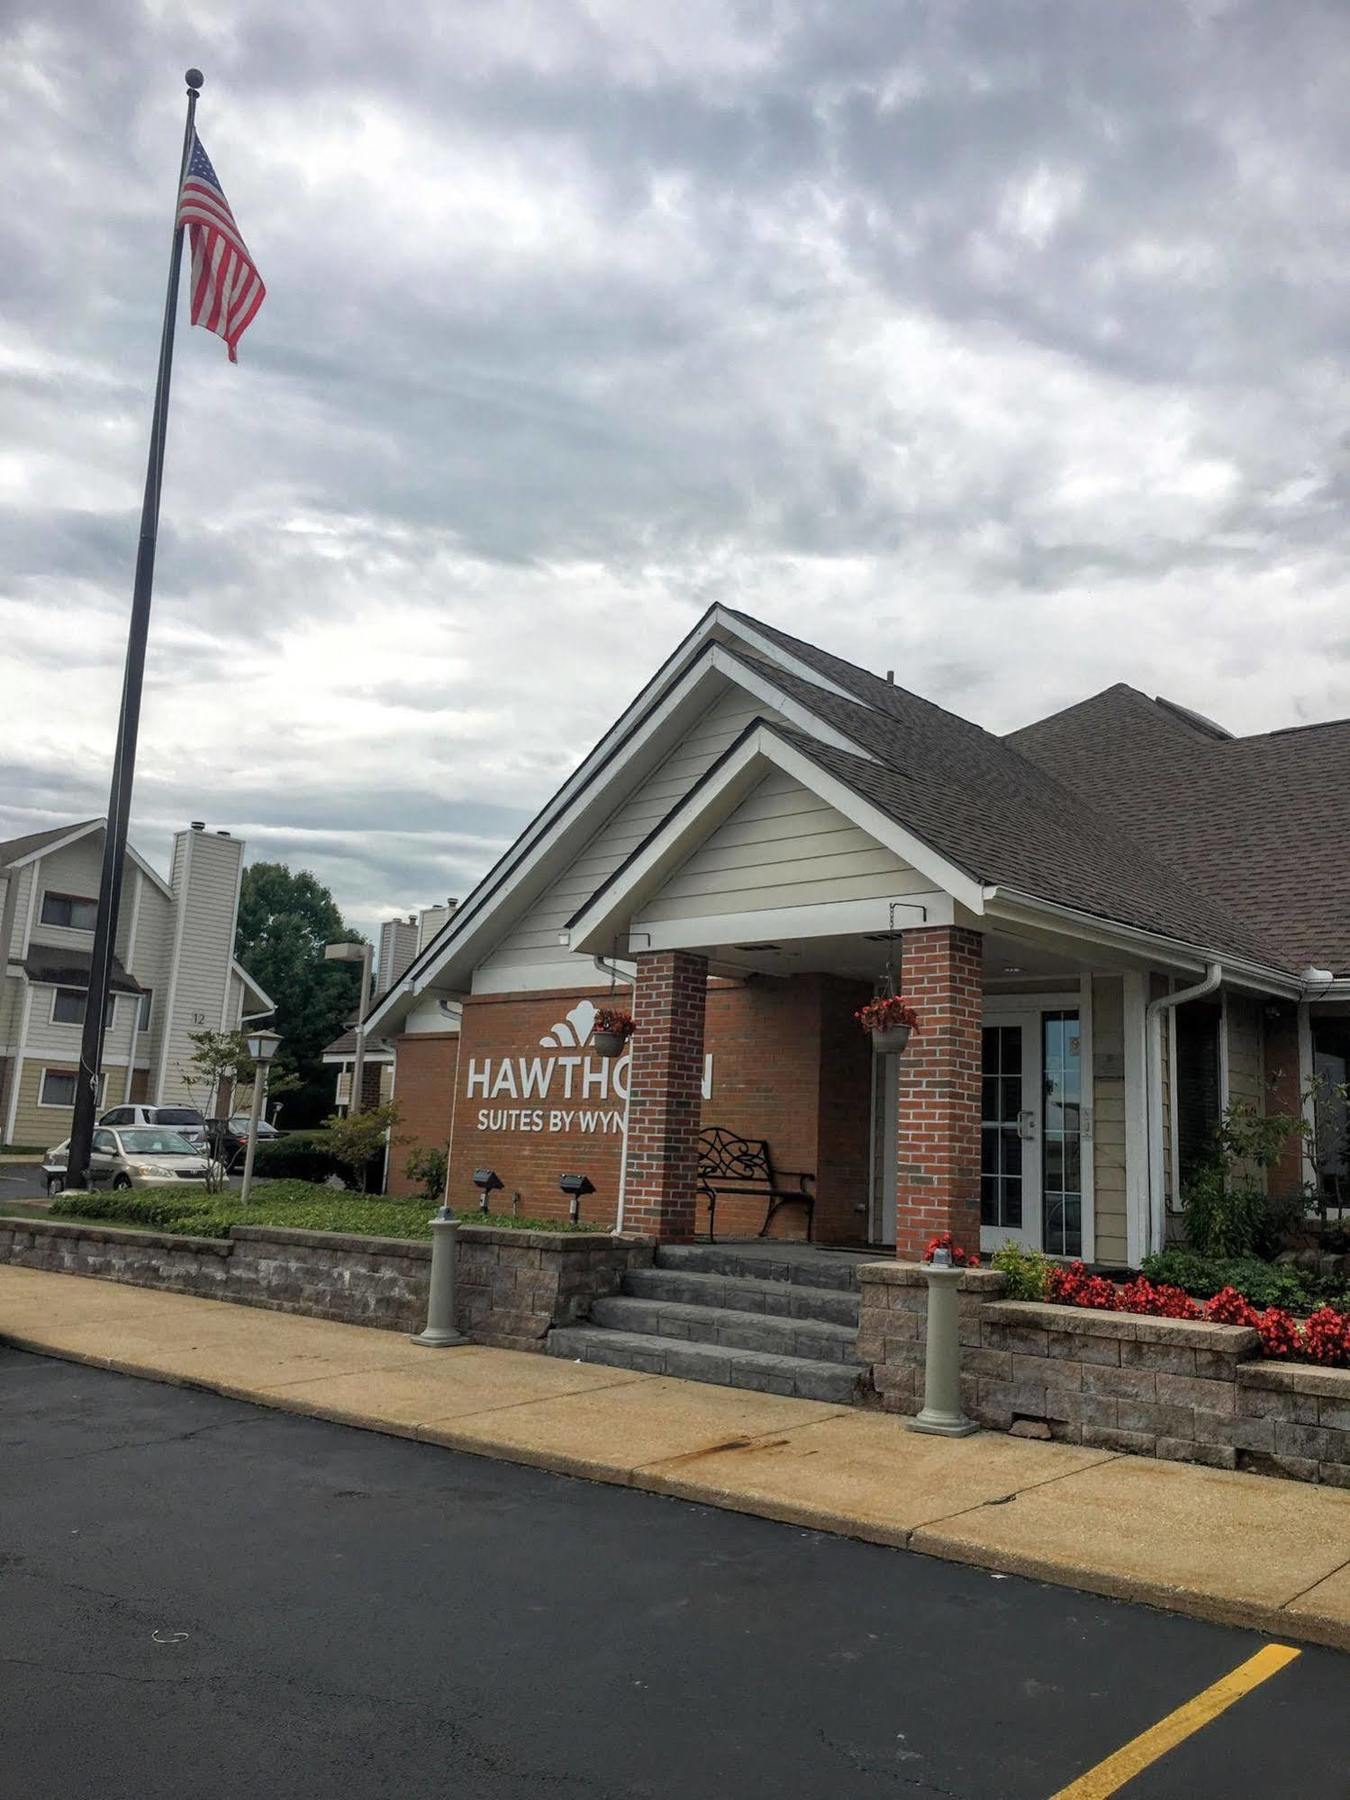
(755, 1369)
(775, 1322)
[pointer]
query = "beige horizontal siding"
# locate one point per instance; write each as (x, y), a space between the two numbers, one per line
(535, 938)
(783, 846)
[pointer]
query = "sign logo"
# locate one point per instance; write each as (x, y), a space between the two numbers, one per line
(569, 1074)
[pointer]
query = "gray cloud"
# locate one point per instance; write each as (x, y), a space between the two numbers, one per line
(1001, 345)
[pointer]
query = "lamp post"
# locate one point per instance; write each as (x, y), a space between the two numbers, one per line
(351, 953)
(262, 1047)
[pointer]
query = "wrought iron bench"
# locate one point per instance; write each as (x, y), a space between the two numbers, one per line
(730, 1164)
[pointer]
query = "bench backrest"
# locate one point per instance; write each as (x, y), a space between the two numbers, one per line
(725, 1156)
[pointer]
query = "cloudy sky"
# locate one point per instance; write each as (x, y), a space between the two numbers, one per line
(999, 342)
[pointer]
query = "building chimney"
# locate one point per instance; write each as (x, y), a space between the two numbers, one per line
(199, 824)
(890, 676)
(222, 834)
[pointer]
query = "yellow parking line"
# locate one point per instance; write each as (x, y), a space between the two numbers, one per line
(1110, 1776)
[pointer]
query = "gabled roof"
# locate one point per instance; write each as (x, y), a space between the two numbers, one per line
(1010, 824)
(24, 849)
(21, 850)
(1261, 824)
(976, 799)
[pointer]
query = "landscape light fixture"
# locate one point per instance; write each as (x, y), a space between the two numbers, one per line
(487, 1181)
(356, 953)
(574, 1186)
(262, 1047)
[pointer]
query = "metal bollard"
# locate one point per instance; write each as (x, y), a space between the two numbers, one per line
(439, 1332)
(942, 1415)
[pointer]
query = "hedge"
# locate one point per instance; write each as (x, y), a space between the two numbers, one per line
(299, 1205)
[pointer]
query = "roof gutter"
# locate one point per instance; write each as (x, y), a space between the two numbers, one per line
(1007, 903)
(1155, 1236)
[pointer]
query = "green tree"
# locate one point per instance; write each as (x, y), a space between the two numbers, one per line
(285, 919)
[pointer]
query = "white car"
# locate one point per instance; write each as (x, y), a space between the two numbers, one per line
(185, 1120)
(134, 1156)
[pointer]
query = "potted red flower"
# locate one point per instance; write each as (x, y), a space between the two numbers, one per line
(613, 1028)
(890, 1021)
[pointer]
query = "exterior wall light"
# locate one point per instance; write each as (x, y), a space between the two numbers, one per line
(574, 1186)
(488, 1182)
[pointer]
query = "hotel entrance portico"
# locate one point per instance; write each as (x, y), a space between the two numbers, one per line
(738, 860)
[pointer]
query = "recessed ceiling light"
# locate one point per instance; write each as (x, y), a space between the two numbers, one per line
(1013, 969)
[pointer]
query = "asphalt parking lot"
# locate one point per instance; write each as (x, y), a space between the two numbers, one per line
(205, 1598)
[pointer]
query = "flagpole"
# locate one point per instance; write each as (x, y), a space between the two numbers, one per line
(129, 716)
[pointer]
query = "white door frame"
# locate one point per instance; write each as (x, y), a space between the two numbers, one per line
(1022, 1011)
(1002, 1009)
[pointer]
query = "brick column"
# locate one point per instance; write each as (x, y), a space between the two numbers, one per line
(665, 1089)
(938, 1148)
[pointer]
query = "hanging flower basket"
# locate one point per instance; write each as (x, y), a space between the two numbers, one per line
(890, 1021)
(612, 1031)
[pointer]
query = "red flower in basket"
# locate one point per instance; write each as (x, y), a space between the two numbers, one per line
(887, 1012)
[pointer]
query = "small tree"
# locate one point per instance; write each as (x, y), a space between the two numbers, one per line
(217, 1057)
(355, 1139)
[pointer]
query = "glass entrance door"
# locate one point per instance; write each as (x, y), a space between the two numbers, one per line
(1010, 1131)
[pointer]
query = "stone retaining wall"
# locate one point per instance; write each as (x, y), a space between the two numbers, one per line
(513, 1286)
(1184, 1390)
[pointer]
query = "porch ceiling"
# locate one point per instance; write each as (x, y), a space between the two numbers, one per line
(1008, 961)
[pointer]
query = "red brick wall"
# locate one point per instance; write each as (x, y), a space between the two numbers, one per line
(424, 1092)
(500, 1027)
(843, 1151)
(938, 1186)
(789, 1065)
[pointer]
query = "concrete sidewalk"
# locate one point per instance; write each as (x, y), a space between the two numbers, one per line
(1242, 1549)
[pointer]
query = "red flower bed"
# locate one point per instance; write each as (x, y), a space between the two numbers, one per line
(1323, 1337)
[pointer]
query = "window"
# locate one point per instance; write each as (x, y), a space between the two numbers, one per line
(120, 1115)
(1062, 1142)
(145, 1010)
(70, 911)
(58, 1087)
(68, 1006)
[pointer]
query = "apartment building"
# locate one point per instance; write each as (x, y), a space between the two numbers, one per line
(173, 973)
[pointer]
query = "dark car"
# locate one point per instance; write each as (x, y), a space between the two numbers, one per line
(229, 1138)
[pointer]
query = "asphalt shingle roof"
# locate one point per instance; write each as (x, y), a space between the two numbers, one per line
(14, 848)
(1261, 823)
(1008, 819)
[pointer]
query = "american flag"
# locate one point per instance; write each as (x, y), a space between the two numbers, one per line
(227, 289)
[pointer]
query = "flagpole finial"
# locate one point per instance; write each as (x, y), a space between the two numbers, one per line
(194, 79)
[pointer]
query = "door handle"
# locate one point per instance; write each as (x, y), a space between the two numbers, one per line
(1026, 1126)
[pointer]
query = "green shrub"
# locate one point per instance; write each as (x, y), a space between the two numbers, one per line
(1027, 1271)
(298, 1205)
(428, 1169)
(298, 1156)
(1263, 1283)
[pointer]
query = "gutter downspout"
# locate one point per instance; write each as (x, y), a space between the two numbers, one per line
(617, 974)
(1153, 1012)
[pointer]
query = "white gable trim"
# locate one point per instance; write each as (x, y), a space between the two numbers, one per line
(250, 985)
(478, 923)
(713, 800)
